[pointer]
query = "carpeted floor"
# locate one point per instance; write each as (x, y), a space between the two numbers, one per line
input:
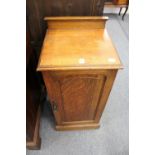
(112, 138)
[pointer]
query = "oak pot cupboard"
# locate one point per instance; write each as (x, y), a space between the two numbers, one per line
(79, 64)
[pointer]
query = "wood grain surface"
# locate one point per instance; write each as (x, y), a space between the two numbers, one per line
(79, 64)
(78, 46)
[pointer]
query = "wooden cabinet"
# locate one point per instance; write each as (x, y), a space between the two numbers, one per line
(79, 64)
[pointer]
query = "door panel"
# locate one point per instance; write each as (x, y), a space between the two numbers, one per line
(77, 96)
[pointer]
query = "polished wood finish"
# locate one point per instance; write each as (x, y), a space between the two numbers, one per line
(93, 50)
(86, 22)
(77, 126)
(74, 87)
(79, 65)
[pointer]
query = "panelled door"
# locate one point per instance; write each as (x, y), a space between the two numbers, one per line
(74, 97)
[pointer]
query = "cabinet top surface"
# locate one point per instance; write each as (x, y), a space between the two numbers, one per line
(78, 48)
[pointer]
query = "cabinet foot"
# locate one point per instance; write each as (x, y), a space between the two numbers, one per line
(77, 127)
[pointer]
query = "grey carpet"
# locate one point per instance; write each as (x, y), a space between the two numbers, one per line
(112, 137)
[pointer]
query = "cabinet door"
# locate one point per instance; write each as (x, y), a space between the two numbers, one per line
(74, 98)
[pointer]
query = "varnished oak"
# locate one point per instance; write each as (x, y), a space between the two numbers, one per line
(77, 127)
(86, 22)
(74, 18)
(79, 64)
(83, 47)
